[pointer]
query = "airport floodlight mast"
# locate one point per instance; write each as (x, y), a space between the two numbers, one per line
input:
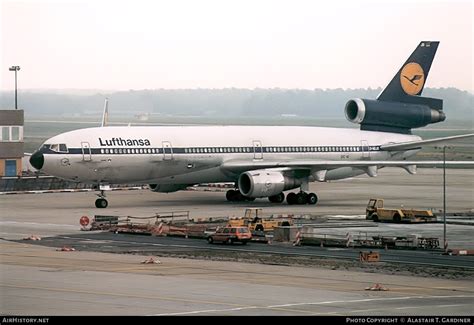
(445, 243)
(15, 68)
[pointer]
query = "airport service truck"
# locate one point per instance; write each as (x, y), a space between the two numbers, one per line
(375, 211)
(255, 222)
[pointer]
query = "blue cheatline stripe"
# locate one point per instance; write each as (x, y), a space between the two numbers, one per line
(217, 150)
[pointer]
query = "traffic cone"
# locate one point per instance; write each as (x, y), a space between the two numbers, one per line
(66, 249)
(151, 260)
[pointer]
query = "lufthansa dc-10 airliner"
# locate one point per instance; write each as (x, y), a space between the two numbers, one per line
(262, 161)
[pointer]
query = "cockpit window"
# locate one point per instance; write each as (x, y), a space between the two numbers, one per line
(58, 147)
(62, 147)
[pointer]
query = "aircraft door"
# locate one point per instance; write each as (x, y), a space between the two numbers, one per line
(257, 149)
(365, 149)
(86, 151)
(167, 150)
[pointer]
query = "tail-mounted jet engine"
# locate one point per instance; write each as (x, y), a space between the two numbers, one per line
(399, 117)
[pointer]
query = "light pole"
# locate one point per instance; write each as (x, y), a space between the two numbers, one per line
(445, 246)
(15, 68)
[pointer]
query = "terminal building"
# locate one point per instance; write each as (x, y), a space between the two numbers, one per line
(11, 142)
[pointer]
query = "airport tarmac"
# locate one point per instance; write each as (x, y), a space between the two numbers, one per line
(38, 280)
(349, 197)
(41, 281)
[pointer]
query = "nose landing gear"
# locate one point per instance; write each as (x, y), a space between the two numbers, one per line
(101, 202)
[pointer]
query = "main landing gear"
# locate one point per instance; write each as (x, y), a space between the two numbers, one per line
(295, 198)
(292, 198)
(301, 198)
(101, 202)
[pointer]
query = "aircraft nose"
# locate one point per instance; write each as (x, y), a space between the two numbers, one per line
(37, 160)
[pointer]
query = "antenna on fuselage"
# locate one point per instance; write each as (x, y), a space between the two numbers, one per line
(105, 114)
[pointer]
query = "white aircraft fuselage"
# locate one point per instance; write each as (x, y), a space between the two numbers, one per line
(194, 154)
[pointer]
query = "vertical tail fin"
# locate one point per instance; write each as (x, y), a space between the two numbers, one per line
(410, 79)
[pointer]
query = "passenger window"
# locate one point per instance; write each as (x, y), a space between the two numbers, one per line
(54, 147)
(226, 230)
(232, 230)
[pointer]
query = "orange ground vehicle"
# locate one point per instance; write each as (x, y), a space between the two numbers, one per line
(375, 211)
(253, 220)
(230, 235)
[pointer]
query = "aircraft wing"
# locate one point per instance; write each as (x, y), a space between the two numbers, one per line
(315, 165)
(419, 144)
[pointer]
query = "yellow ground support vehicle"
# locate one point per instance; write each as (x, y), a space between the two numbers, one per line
(255, 222)
(375, 211)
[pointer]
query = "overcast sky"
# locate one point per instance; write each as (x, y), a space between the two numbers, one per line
(216, 44)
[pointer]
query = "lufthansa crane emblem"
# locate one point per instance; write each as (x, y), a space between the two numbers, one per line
(412, 78)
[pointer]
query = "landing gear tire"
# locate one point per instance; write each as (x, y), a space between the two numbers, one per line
(301, 198)
(101, 203)
(291, 198)
(277, 198)
(312, 198)
(229, 195)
